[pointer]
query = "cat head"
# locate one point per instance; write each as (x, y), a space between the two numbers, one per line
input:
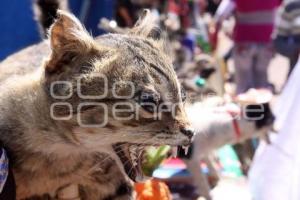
(116, 89)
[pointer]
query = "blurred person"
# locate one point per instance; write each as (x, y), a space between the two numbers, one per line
(208, 6)
(202, 5)
(252, 40)
(180, 8)
(287, 31)
(275, 173)
(126, 13)
(212, 6)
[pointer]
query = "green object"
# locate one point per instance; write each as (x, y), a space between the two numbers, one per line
(230, 162)
(204, 45)
(154, 157)
(200, 82)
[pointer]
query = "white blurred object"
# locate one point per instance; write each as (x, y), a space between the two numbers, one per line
(255, 96)
(155, 14)
(275, 173)
(172, 22)
(113, 23)
(225, 9)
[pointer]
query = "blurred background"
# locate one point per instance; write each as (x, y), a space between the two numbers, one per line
(228, 48)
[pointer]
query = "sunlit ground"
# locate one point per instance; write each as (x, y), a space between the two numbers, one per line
(232, 189)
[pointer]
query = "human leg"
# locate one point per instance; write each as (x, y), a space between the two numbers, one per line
(243, 57)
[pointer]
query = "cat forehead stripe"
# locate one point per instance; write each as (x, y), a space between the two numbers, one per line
(159, 70)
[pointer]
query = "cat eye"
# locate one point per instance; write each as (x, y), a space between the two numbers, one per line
(149, 101)
(85, 69)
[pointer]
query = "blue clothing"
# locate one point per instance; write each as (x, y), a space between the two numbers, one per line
(19, 29)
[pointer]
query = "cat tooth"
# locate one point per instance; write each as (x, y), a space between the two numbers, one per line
(132, 150)
(175, 151)
(133, 155)
(186, 149)
(134, 163)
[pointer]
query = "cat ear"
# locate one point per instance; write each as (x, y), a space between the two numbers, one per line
(148, 26)
(68, 38)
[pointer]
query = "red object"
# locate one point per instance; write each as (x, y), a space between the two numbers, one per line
(256, 5)
(213, 36)
(259, 30)
(174, 163)
(152, 190)
(235, 124)
(181, 8)
(260, 33)
(237, 129)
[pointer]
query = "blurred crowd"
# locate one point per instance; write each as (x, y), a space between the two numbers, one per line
(261, 28)
(258, 30)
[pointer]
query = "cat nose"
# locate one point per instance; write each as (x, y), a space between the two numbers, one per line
(189, 132)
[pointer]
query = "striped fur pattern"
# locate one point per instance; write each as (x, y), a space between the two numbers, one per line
(49, 155)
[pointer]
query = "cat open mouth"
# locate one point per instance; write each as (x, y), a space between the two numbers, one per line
(133, 156)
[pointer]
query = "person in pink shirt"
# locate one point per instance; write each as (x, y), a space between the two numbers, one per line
(252, 39)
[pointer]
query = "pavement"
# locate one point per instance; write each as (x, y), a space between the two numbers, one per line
(231, 189)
